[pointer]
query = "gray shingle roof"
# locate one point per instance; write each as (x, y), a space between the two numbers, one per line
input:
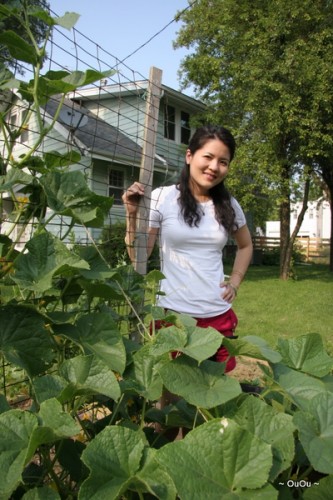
(95, 134)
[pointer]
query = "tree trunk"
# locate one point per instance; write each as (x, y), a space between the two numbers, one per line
(285, 223)
(300, 218)
(326, 170)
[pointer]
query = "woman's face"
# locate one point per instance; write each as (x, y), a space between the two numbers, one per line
(209, 165)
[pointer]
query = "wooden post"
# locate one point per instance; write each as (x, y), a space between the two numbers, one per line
(147, 167)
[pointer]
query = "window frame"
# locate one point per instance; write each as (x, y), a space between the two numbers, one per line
(113, 188)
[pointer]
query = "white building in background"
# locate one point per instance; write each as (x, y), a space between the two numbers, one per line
(316, 222)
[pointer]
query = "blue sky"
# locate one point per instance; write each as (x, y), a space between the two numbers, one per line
(120, 27)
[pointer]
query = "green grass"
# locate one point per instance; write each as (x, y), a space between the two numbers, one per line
(270, 308)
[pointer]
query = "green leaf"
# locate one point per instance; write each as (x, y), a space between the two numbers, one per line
(147, 380)
(67, 21)
(43, 493)
(301, 387)
(47, 256)
(14, 177)
(24, 339)
(167, 340)
(16, 427)
(98, 268)
(218, 460)
(307, 354)
(54, 159)
(69, 456)
(120, 460)
(252, 346)
(273, 427)
(4, 406)
(18, 47)
(154, 479)
(68, 194)
(322, 491)
(315, 428)
(48, 386)
(98, 334)
(88, 375)
(54, 424)
(198, 343)
(5, 244)
(205, 385)
(113, 458)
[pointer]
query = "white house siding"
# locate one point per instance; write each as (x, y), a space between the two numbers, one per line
(126, 114)
(316, 222)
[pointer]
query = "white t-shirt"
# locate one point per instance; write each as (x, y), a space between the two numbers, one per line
(191, 257)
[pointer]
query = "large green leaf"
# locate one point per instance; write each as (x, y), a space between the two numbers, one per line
(146, 379)
(197, 343)
(315, 428)
(307, 354)
(24, 339)
(88, 375)
(204, 385)
(252, 346)
(68, 194)
(54, 159)
(13, 177)
(18, 47)
(54, 424)
(16, 427)
(46, 257)
(120, 460)
(219, 460)
(300, 387)
(273, 427)
(48, 386)
(321, 491)
(98, 268)
(43, 493)
(98, 334)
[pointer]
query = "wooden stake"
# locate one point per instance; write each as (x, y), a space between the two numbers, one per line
(147, 167)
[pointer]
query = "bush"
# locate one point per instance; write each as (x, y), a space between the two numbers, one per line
(114, 250)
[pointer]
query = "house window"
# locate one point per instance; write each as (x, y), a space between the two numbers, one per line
(185, 129)
(15, 119)
(177, 125)
(170, 123)
(116, 185)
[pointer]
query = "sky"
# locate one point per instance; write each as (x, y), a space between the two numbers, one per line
(121, 27)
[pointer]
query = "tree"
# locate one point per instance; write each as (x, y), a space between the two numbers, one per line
(16, 23)
(256, 66)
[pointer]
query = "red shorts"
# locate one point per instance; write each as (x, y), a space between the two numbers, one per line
(225, 324)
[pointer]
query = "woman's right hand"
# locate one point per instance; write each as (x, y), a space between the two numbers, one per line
(131, 197)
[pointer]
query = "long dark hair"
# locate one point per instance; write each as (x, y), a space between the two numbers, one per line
(224, 212)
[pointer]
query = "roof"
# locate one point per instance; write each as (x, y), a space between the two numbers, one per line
(106, 90)
(95, 135)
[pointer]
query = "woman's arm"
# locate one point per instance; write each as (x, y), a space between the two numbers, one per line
(131, 200)
(242, 261)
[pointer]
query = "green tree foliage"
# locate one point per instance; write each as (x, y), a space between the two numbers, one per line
(264, 68)
(16, 23)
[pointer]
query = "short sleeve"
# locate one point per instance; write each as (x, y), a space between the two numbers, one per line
(240, 216)
(154, 213)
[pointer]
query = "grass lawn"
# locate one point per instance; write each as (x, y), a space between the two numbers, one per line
(270, 308)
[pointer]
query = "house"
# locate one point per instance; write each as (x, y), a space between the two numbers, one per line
(105, 124)
(316, 222)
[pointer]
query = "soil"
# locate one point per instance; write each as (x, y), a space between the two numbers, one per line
(248, 370)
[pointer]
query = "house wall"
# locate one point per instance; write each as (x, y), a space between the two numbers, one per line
(128, 114)
(316, 223)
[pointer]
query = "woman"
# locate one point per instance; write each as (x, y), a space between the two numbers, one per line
(193, 221)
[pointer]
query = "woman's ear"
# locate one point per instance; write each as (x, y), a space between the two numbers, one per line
(188, 156)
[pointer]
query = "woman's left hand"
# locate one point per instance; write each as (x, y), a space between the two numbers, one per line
(229, 292)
